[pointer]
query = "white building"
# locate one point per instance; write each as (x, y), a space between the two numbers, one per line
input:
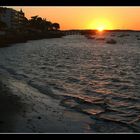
(11, 17)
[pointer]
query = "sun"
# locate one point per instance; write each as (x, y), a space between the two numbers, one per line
(101, 28)
(100, 25)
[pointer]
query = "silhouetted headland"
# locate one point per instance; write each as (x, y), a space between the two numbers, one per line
(11, 38)
(16, 28)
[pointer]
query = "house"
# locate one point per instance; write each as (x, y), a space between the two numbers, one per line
(12, 18)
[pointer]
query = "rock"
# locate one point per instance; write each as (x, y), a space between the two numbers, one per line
(123, 35)
(111, 41)
(39, 117)
(90, 37)
(100, 38)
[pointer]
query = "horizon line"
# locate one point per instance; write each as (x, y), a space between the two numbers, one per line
(103, 30)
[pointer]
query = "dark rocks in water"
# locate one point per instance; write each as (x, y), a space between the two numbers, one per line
(39, 117)
(43, 67)
(123, 35)
(111, 41)
(100, 38)
(90, 37)
(138, 38)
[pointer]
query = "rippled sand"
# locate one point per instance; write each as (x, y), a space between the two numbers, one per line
(86, 75)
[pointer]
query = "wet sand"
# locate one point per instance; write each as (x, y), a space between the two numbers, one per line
(30, 113)
(9, 106)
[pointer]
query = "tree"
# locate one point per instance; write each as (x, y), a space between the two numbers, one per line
(33, 18)
(56, 26)
(47, 25)
(37, 22)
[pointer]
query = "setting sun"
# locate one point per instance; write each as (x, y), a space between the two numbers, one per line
(100, 28)
(100, 25)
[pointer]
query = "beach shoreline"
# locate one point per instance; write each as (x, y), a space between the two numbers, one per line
(36, 113)
(9, 106)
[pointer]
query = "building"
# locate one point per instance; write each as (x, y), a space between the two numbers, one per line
(12, 18)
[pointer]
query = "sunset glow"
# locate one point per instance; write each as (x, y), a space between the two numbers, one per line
(100, 25)
(93, 17)
(101, 28)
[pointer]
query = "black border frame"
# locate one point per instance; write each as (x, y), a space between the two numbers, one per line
(69, 3)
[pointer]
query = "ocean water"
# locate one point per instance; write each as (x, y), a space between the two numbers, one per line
(87, 75)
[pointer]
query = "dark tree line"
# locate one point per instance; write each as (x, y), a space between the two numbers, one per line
(39, 23)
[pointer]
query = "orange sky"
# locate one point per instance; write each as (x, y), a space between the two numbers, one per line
(88, 17)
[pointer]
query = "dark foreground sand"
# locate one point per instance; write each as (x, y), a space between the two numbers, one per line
(25, 110)
(9, 106)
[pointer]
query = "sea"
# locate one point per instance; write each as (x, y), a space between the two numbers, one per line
(89, 76)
